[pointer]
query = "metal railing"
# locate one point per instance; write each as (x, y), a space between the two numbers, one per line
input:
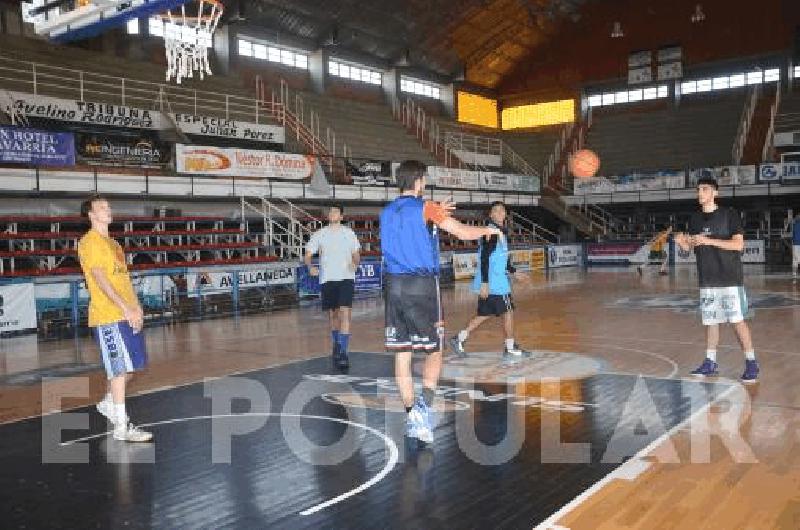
(427, 131)
(744, 124)
(55, 81)
(285, 226)
(538, 233)
(459, 141)
(766, 152)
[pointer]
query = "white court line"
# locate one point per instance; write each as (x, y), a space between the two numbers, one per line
(621, 472)
(158, 389)
(387, 468)
(674, 365)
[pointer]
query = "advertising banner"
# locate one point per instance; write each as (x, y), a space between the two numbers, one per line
(232, 162)
(508, 182)
(445, 177)
(660, 180)
(368, 278)
(521, 259)
(725, 175)
(123, 151)
(17, 307)
(564, 255)
(31, 146)
(538, 259)
(266, 275)
(785, 172)
(225, 128)
(769, 172)
(366, 172)
(465, 265)
(85, 112)
(612, 252)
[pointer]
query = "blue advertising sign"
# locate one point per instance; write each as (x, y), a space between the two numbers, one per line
(368, 277)
(30, 146)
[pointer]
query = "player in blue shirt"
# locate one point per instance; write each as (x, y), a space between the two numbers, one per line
(410, 247)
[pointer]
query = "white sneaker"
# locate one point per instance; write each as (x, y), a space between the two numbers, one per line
(128, 432)
(106, 408)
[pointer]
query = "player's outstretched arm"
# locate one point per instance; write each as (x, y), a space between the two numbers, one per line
(467, 232)
(684, 241)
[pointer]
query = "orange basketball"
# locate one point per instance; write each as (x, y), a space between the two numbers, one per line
(584, 164)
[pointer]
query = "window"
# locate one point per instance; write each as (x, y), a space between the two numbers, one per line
(245, 48)
(688, 87)
(260, 51)
(273, 54)
(754, 78)
(720, 83)
(628, 96)
(133, 26)
(737, 81)
(704, 85)
(796, 72)
(772, 75)
(155, 27)
(421, 88)
(356, 73)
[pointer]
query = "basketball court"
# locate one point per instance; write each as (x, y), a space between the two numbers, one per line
(601, 426)
(603, 413)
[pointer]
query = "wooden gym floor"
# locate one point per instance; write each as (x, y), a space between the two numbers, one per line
(665, 451)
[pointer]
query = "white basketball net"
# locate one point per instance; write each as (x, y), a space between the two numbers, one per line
(188, 39)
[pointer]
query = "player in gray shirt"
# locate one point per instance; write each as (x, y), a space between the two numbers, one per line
(339, 256)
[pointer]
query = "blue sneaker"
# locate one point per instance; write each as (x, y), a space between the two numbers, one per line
(416, 426)
(457, 346)
(707, 369)
(751, 370)
(428, 417)
(342, 360)
(414, 422)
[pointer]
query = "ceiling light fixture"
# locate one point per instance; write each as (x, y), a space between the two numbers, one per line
(698, 15)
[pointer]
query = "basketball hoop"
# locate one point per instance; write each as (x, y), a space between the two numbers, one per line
(188, 38)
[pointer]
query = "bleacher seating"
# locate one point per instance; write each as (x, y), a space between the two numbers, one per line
(41, 245)
(368, 129)
(788, 117)
(534, 146)
(699, 133)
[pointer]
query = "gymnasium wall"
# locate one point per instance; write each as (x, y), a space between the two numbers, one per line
(584, 52)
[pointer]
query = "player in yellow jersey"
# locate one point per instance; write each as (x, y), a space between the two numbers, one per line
(114, 313)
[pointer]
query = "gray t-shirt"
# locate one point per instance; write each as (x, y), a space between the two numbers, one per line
(335, 246)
